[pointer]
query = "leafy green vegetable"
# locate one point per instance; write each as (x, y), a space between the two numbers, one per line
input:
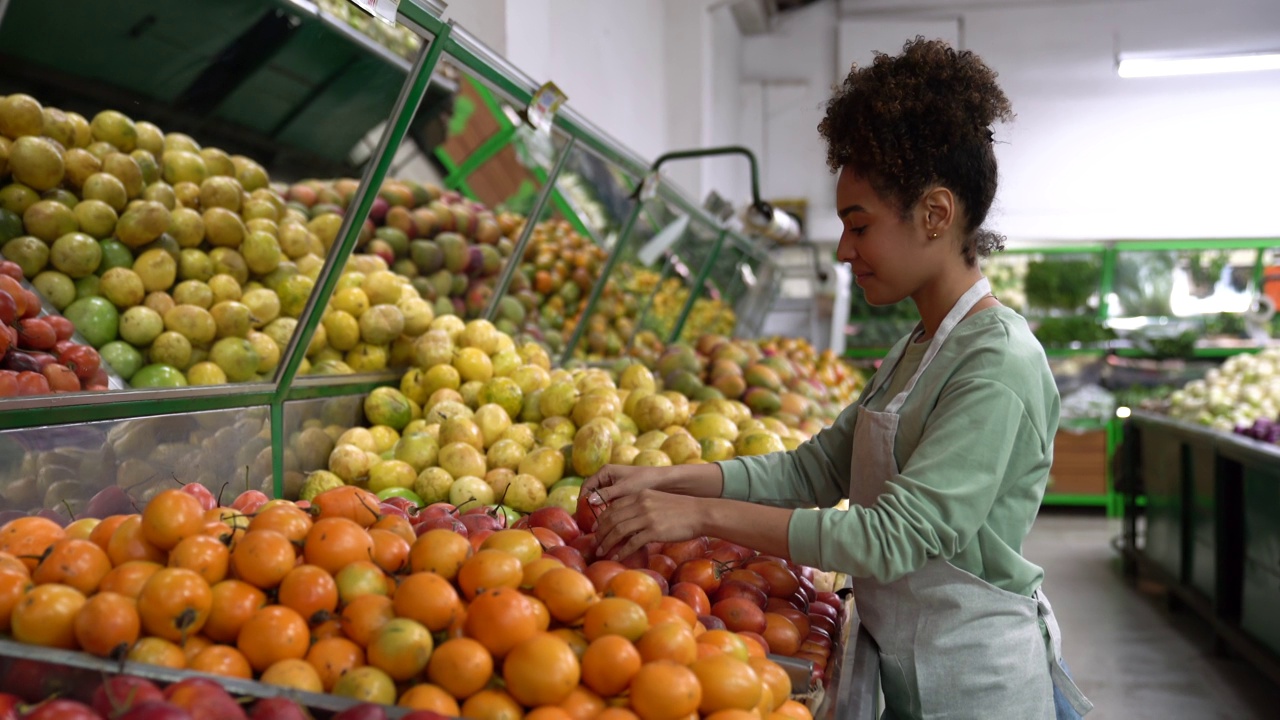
(1063, 331)
(1061, 284)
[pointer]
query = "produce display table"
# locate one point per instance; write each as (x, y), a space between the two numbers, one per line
(854, 690)
(1212, 527)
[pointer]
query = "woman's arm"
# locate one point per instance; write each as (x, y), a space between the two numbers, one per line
(651, 516)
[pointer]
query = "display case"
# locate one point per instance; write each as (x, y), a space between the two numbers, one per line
(271, 96)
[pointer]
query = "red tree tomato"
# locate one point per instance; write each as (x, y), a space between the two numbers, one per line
(32, 383)
(36, 334)
(4, 343)
(83, 360)
(8, 383)
(11, 268)
(62, 327)
(61, 378)
(8, 308)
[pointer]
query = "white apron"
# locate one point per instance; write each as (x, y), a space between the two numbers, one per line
(951, 644)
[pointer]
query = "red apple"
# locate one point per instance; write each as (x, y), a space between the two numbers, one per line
(9, 705)
(806, 586)
(832, 599)
(250, 501)
(477, 522)
(363, 711)
(386, 508)
(154, 710)
(569, 556)
(636, 560)
(662, 582)
(61, 710)
(817, 608)
(711, 622)
(123, 692)
(521, 524)
(557, 520)
(444, 522)
(822, 622)
(409, 507)
(586, 546)
(436, 510)
(201, 493)
(590, 505)
(546, 538)
(277, 708)
(664, 565)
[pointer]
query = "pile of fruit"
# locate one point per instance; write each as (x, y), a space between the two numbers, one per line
(41, 691)
(1246, 388)
(459, 617)
(37, 353)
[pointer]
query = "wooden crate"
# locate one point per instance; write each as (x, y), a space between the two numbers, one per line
(1079, 463)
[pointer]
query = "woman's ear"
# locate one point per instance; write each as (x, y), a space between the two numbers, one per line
(939, 211)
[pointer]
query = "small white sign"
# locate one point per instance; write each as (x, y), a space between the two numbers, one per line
(543, 107)
(384, 10)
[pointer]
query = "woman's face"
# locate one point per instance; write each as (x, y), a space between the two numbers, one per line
(891, 257)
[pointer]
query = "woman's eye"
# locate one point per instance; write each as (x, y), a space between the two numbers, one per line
(859, 231)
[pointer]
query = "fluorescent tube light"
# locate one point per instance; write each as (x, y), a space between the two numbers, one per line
(1169, 67)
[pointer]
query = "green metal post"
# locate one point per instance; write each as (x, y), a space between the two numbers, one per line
(405, 108)
(513, 261)
(615, 253)
(1260, 270)
(703, 273)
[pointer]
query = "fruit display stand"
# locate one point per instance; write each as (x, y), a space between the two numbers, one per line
(1209, 499)
(90, 455)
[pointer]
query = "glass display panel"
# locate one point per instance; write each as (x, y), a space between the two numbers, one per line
(113, 467)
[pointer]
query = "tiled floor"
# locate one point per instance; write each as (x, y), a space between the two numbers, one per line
(1131, 656)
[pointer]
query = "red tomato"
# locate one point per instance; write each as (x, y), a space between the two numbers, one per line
(8, 308)
(8, 383)
(32, 383)
(33, 305)
(15, 291)
(61, 326)
(36, 334)
(83, 360)
(61, 378)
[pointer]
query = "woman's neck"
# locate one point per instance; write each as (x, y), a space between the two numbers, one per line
(936, 298)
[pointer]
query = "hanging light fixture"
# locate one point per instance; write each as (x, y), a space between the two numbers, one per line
(1148, 67)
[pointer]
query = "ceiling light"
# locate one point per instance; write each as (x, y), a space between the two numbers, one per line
(1205, 65)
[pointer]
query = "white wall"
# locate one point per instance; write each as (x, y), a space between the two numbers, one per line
(1094, 157)
(787, 77)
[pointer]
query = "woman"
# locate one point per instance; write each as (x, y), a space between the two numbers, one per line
(944, 457)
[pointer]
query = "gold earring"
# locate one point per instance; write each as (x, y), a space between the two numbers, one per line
(934, 236)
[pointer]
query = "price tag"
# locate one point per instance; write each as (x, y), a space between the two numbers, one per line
(543, 107)
(384, 10)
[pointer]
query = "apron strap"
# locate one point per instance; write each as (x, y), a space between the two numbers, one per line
(1061, 680)
(972, 297)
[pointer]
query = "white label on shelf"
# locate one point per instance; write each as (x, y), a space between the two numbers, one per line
(384, 10)
(543, 107)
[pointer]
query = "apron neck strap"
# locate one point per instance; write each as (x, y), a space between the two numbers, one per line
(971, 297)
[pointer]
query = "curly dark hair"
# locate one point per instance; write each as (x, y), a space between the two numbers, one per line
(922, 118)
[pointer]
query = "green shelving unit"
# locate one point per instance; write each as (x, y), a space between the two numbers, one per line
(1105, 306)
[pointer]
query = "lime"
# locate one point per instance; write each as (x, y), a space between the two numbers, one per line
(153, 376)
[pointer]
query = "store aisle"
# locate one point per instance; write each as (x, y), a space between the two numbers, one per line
(1132, 657)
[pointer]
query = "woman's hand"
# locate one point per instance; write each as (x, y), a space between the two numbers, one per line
(618, 481)
(637, 518)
